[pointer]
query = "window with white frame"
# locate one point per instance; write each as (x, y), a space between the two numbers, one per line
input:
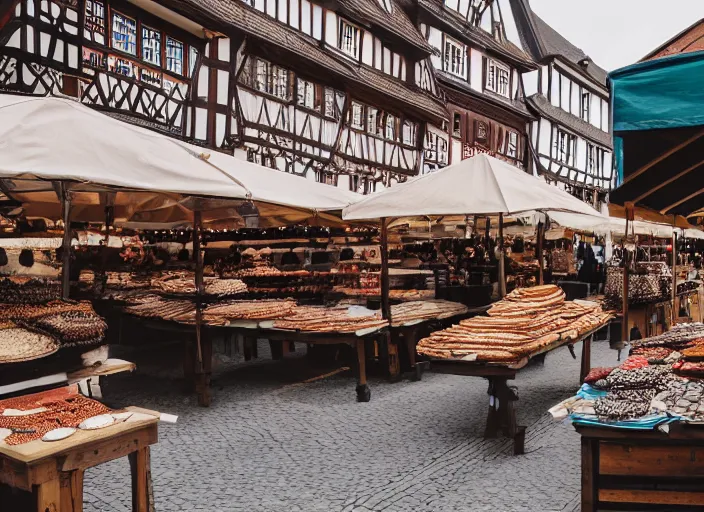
(408, 136)
(586, 105)
(271, 79)
(332, 105)
(498, 78)
(308, 95)
(348, 39)
(595, 160)
(390, 127)
(511, 144)
(374, 121)
(174, 55)
(151, 45)
(357, 116)
(565, 147)
(455, 57)
(124, 33)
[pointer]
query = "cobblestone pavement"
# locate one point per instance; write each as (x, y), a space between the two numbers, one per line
(271, 443)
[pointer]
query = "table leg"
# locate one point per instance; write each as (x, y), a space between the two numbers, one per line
(586, 359)
(72, 491)
(49, 496)
(247, 347)
(364, 394)
(140, 466)
(588, 467)
(188, 366)
(277, 349)
(502, 414)
(204, 390)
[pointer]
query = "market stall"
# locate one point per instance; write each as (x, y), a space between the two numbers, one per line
(486, 186)
(528, 323)
(50, 439)
(641, 425)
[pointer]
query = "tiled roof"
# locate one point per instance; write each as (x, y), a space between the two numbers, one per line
(543, 107)
(515, 106)
(476, 35)
(236, 14)
(543, 42)
(397, 22)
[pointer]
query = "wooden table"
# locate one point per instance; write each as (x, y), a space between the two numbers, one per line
(501, 417)
(358, 340)
(406, 337)
(642, 470)
(53, 472)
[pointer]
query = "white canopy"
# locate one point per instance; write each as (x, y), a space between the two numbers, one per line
(481, 185)
(51, 139)
(617, 226)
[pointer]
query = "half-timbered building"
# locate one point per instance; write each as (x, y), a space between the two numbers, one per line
(323, 90)
(570, 141)
(478, 63)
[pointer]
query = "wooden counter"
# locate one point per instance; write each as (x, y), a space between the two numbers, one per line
(53, 472)
(642, 470)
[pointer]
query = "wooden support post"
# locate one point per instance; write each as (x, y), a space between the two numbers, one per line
(625, 331)
(588, 469)
(502, 266)
(501, 417)
(202, 365)
(586, 365)
(72, 491)
(675, 308)
(49, 496)
(66, 243)
(139, 464)
(384, 239)
(363, 391)
(539, 253)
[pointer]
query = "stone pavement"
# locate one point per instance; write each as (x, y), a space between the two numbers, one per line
(271, 443)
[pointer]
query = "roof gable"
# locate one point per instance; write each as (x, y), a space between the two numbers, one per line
(544, 42)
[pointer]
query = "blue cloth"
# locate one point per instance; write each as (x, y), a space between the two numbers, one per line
(659, 94)
(586, 392)
(645, 423)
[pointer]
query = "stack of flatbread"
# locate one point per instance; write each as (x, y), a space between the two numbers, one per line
(526, 322)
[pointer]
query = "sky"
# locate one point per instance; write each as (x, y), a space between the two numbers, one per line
(616, 33)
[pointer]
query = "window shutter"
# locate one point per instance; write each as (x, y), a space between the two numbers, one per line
(485, 69)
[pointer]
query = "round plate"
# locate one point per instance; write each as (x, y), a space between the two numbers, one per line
(96, 422)
(58, 434)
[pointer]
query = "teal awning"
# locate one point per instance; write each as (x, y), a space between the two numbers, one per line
(659, 94)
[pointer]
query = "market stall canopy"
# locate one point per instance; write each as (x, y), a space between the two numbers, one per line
(617, 226)
(658, 125)
(481, 185)
(43, 140)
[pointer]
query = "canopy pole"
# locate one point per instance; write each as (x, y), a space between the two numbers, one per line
(203, 345)
(674, 312)
(66, 243)
(625, 331)
(197, 226)
(539, 251)
(502, 266)
(384, 242)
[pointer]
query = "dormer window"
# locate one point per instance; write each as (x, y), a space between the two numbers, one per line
(498, 78)
(348, 40)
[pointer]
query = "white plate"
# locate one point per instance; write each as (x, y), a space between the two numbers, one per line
(4, 432)
(96, 422)
(58, 434)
